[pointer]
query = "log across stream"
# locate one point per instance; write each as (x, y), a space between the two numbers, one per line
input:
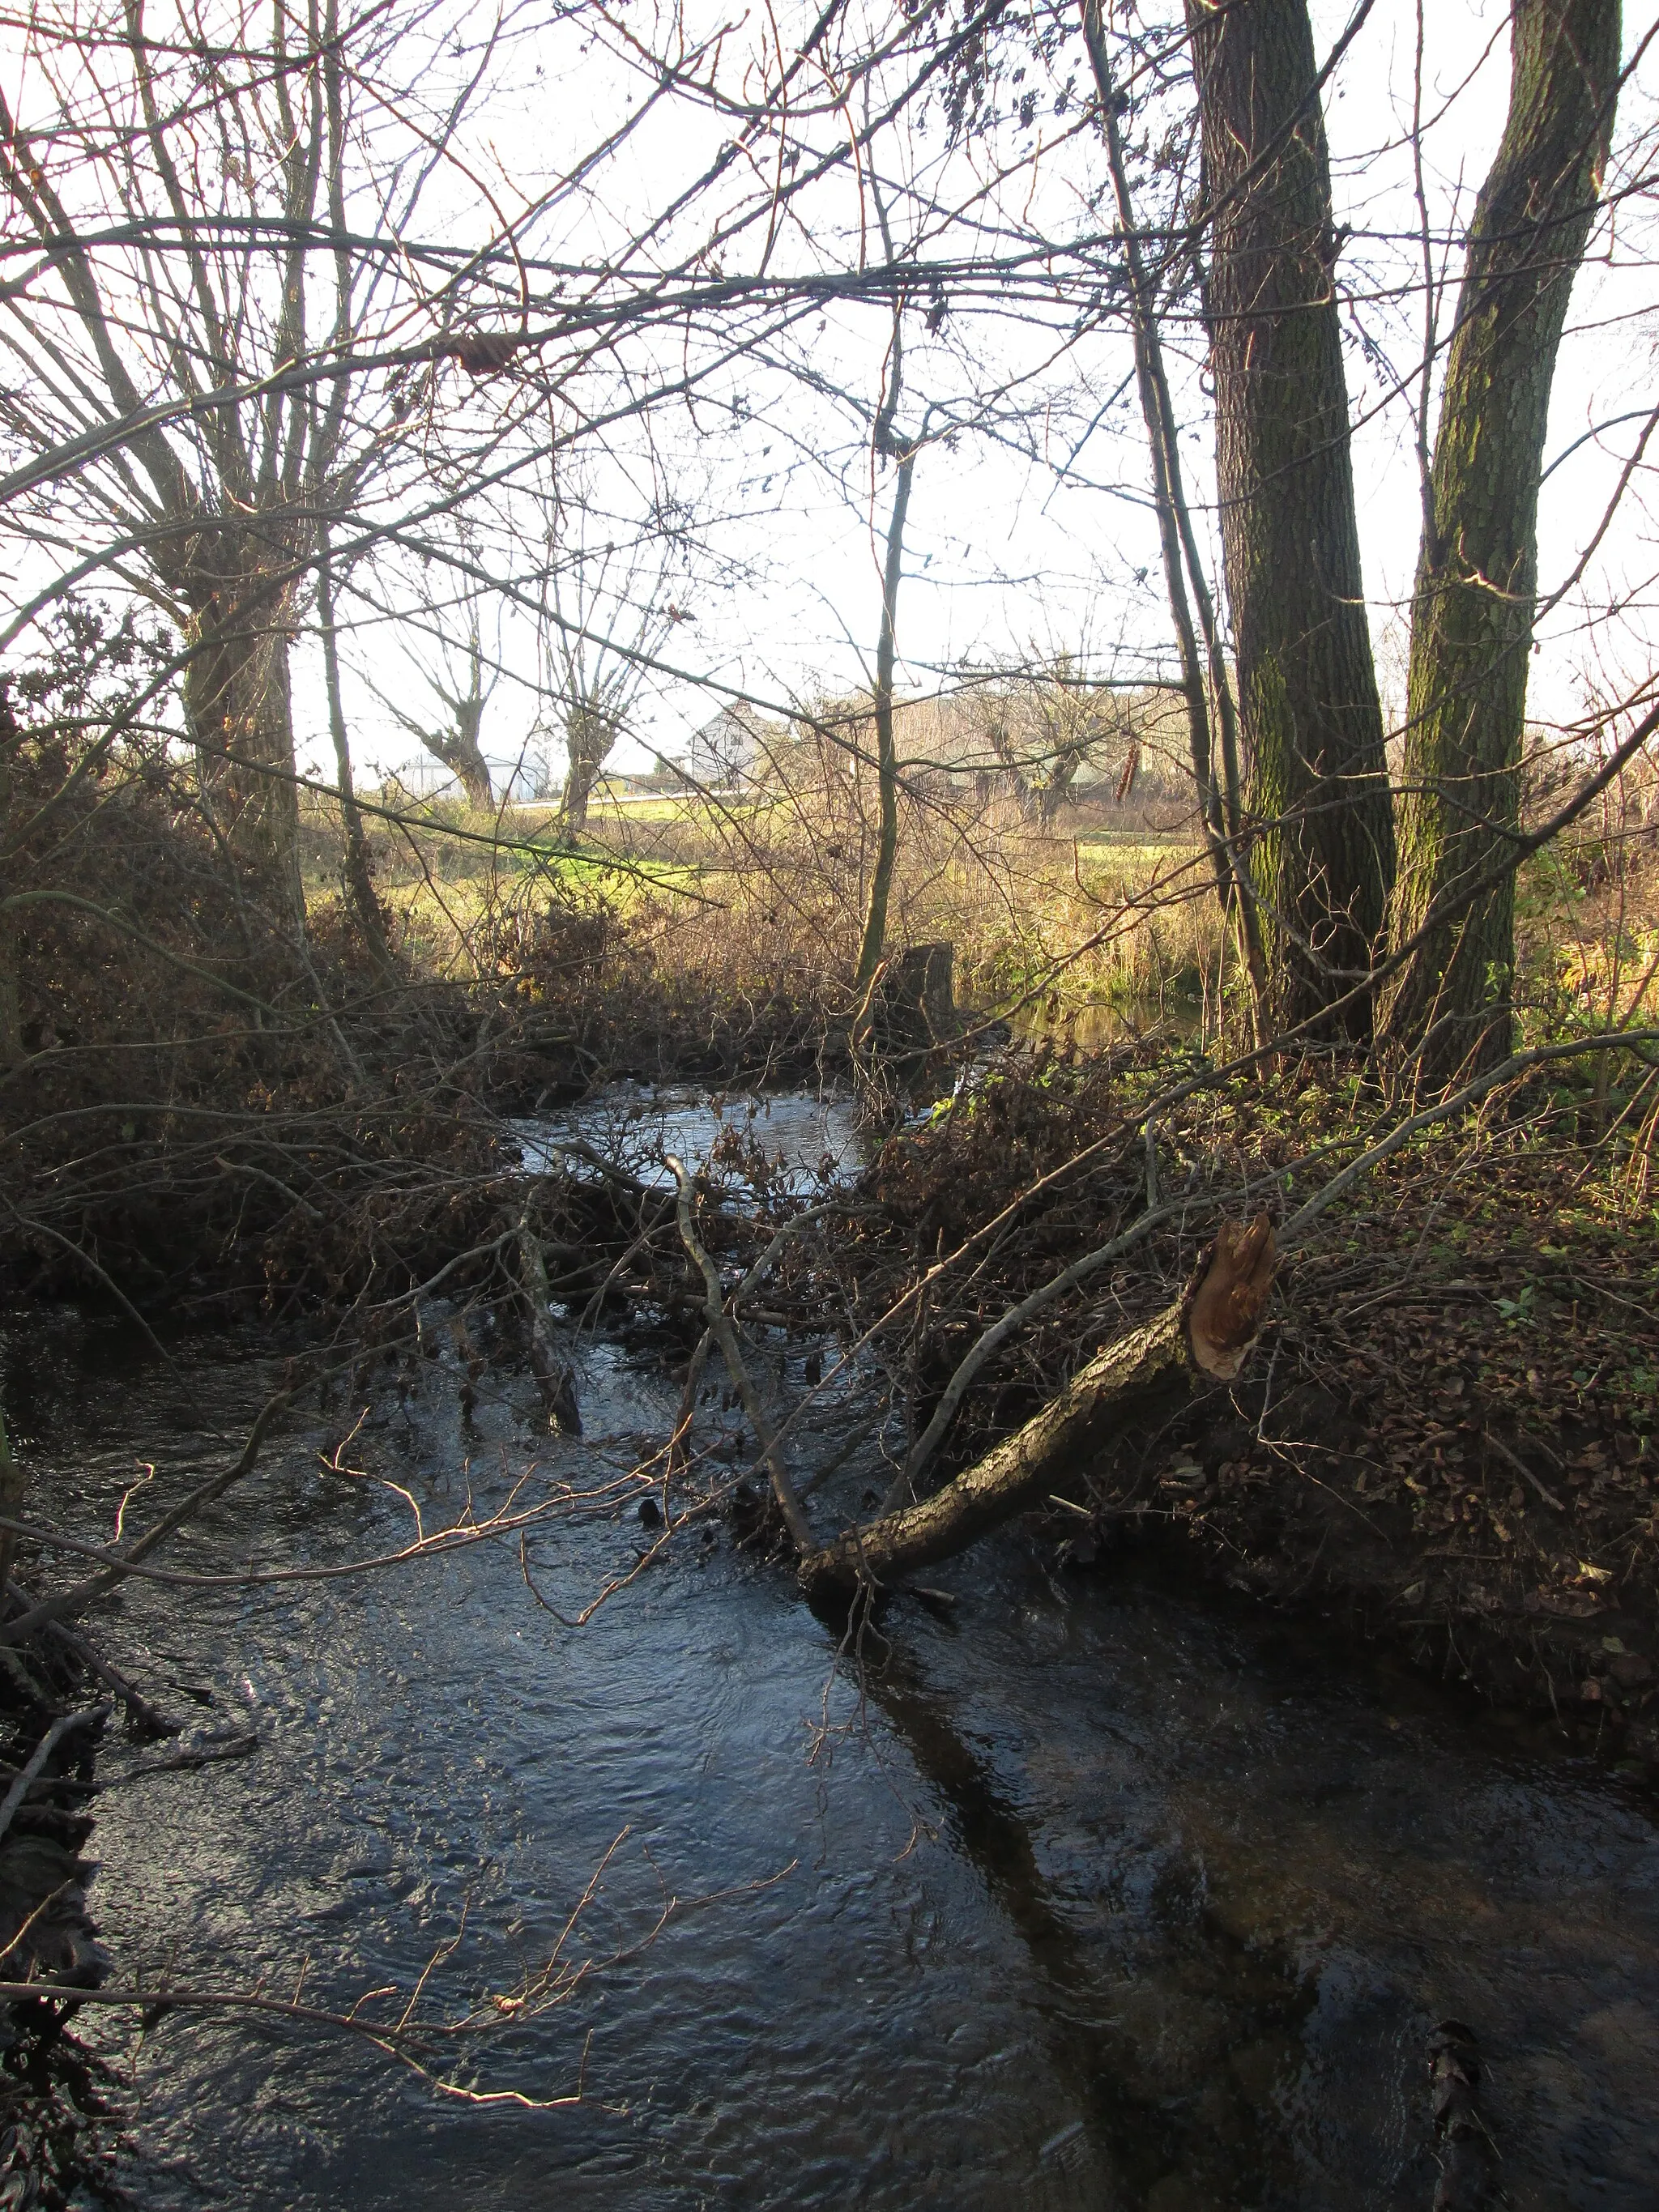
(1090, 1894)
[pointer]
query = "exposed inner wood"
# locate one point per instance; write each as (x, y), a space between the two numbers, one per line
(1206, 1334)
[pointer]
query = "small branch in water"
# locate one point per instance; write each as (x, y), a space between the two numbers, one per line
(76, 1599)
(726, 1337)
(552, 1371)
(675, 1457)
(149, 1718)
(1466, 2159)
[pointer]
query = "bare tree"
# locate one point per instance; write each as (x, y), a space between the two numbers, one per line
(606, 605)
(221, 139)
(463, 694)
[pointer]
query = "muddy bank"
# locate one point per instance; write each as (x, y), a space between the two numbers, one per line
(1460, 1465)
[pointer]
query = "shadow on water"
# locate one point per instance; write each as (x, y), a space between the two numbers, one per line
(1149, 2142)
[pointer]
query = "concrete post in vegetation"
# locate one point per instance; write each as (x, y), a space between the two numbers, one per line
(1472, 619)
(1311, 721)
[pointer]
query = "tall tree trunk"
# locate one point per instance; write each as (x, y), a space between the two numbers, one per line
(1449, 1008)
(460, 753)
(881, 881)
(238, 706)
(358, 876)
(1312, 723)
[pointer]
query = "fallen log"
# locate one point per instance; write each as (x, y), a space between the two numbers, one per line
(1205, 1335)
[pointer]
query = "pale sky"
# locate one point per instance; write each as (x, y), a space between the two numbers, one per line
(1022, 540)
(1003, 556)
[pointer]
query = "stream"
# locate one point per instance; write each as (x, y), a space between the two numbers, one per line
(1095, 1893)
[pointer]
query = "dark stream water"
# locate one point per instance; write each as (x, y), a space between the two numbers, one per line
(1099, 1897)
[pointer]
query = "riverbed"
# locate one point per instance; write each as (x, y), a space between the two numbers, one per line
(1082, 1892)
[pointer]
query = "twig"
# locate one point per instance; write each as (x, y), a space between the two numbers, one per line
(1001, 1330)
(63, 1725)
(675, 1456)
(95, 1586)
(188, 1762)
(553, 1376)
(147, 1714)
(1520, 1467)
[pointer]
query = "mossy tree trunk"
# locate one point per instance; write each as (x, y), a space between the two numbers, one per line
(1312, 725)
(1449, 1008)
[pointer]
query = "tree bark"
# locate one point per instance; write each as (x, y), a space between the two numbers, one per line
(589, 735)
(1448, 1009)
(1205, 1335)
(1311, 721)
(238, 705)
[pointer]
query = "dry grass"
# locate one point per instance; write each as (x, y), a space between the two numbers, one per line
(1082, 915)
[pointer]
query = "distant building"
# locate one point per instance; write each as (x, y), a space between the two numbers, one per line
(522, 781)
(728, 750)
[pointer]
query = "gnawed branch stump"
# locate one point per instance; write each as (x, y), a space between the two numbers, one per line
(1205, 1336)
(555, 1377)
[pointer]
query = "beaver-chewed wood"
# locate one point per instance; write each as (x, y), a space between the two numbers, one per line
(1205, 1335)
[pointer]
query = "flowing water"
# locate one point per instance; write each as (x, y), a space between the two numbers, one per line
(1092, 1894)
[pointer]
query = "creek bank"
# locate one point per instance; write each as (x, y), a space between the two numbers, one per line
(1444, 1443)
(1447, 1436)
(57, 1698)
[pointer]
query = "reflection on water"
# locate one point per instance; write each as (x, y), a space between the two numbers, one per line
(635, 1124)
(1098, 1899)
(1094, 1025)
